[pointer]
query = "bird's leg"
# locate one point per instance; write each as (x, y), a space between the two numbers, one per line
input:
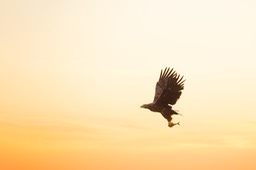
(171, 124)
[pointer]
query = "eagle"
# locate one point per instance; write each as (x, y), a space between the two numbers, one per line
(167, 92)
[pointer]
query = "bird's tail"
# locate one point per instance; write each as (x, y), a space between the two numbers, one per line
(176, 112)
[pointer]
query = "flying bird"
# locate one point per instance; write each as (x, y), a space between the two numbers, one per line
(167, 92)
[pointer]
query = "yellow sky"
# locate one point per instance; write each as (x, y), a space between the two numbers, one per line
(74, 73)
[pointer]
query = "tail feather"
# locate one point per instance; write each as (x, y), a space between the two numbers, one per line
(175, 112)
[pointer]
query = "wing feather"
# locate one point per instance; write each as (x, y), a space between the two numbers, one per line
(168, 88)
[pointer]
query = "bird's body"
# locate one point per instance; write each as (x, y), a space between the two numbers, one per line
(168, 91)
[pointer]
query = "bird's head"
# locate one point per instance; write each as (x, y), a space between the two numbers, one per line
(145, 106)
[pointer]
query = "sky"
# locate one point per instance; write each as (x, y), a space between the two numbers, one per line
(75, 73)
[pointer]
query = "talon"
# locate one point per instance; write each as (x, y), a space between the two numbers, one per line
(170, 124)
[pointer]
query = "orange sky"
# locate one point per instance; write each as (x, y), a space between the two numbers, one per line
(74, 74)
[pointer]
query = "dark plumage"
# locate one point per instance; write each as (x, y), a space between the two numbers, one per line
(168, 91)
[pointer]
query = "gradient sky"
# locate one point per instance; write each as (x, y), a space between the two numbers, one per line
(74, 74)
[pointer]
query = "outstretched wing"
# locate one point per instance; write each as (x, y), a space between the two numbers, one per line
(168, 87)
